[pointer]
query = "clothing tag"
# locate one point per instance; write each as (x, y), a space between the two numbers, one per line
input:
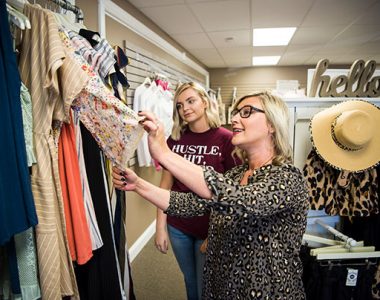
(352, 277)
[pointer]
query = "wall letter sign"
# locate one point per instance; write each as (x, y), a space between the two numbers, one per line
(358, 83)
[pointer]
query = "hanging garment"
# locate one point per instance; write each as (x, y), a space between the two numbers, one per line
(98, 279)
(53, 80)
(152, 98)
(143, 94)
(113, 124)
(27, 118)
(17, 209)
(341, 192)
(27, 264)
(77, 228)
(96, 238)
(100, 57)
(329, 282)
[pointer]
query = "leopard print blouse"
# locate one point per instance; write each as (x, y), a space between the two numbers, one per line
(255, 232)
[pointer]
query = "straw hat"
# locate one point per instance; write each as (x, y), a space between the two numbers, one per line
(346, 137)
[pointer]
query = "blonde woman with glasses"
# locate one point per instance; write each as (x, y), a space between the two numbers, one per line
(258, 209)
(198, 137)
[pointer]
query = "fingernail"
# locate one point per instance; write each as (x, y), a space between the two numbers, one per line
(122, 173)
(125, 183)
(122, 178)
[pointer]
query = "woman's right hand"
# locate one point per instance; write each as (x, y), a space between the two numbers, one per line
(156, 134)
(162, 241)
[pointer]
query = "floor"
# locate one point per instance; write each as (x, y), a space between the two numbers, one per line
(156, 276)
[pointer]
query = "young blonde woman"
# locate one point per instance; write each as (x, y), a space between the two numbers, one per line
(258, 209)
(198, 137)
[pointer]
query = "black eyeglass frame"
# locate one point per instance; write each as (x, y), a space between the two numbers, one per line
(251, 110)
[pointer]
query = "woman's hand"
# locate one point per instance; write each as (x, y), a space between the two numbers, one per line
(156, 136)
(162, 241)
(203, 247)
(124, 180)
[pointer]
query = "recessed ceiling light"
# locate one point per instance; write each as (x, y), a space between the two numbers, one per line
(265, 60)
(272, 36)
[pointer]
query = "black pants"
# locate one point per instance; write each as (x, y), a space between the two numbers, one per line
(328, 282)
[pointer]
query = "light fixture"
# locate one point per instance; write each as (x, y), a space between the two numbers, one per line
(265, 60)
(272, 36)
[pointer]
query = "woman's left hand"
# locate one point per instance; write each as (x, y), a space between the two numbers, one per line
(124, 180)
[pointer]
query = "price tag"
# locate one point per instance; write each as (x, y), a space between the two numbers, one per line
(352, 277)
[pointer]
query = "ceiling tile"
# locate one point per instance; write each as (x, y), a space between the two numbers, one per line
(335, 12)
(370, 16)
(356, 35)
(274, 13)
(194, 40)
(237, 57)
(236, 51)
(368, 48)
(239, 38)
(209, 57)
(315, 35)
(268, 51)
(223, 15)
(293, 60)
(173, 19)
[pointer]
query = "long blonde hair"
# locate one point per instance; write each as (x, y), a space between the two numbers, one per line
(277, 114)
(179, 125)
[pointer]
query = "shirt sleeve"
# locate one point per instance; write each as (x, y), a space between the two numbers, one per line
(269, 192)
(186, 205)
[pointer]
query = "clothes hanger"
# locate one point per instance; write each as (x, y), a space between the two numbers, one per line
(18, 4)
(147, 81)
(18, 18)
(348, 255)
(64, 19)
(346, 248)
(308, 238)
(349, 241)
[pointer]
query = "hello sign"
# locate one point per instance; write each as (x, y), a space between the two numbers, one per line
(358, 83)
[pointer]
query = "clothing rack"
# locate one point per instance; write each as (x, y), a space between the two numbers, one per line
(68, 6)
(141, 65)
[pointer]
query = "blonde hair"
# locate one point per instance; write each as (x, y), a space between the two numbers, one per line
(277, 114)
(212, 115)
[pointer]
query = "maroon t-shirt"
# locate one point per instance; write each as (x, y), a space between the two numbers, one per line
(210, 148)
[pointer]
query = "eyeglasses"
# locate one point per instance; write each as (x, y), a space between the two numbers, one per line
(246, 111)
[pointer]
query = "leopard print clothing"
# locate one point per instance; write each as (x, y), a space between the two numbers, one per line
(340, 192)
(376, 284)
(255, 232)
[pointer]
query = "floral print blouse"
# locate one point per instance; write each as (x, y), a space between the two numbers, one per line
(255, 232)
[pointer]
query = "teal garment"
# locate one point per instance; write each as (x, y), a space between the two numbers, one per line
(27, 264)
(27, 118)
(17, 209)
